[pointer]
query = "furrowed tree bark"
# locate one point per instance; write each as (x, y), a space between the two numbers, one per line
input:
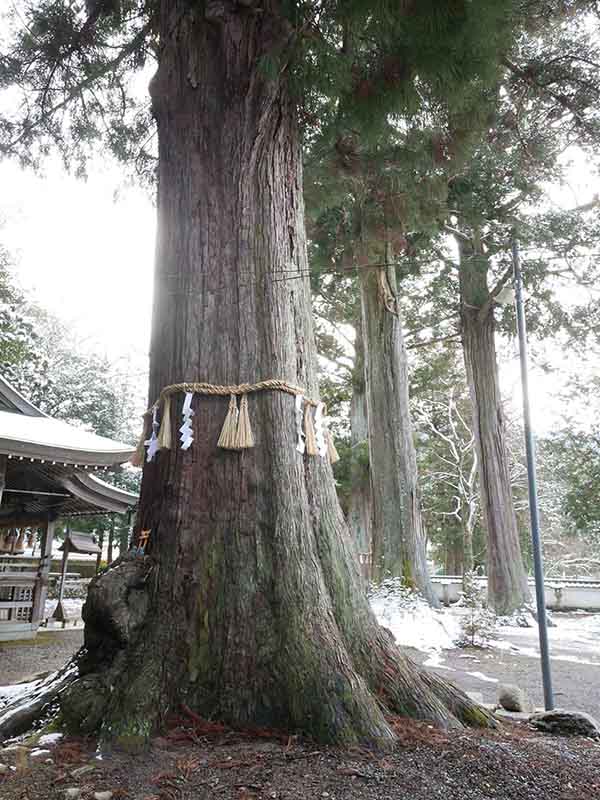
(507, 579)
(248, 606)
(360, 505)
(398, 535)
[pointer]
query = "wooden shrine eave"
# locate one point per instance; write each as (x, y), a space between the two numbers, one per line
(97, 493)
(35, 491)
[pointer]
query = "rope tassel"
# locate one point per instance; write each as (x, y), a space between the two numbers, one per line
(139, 454)
(228, 437)
(164, 434)
(243, 433)
(332, 453)
(309, 432)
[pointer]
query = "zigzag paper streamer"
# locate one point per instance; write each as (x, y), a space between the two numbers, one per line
(300, 445)
(152, 442)
(187, 435)
(320, 430)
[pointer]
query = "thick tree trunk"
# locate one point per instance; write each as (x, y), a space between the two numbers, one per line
(398, 533)
(360, 505)
(507, 580)
(248, 606)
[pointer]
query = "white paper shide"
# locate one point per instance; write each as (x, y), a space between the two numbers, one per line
(186, 434)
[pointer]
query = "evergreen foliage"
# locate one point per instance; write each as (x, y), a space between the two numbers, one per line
(18, 340)
(478, 625)
(358, 68)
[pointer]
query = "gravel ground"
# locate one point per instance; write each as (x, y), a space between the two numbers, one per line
(20, 661)
(512, 763)
(575, 685)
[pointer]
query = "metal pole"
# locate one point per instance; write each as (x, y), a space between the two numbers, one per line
(532, 483)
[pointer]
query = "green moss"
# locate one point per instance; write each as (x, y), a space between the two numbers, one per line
(477, 717)
(129, 733)
(55, 725)
(199, 651)
(407, 574)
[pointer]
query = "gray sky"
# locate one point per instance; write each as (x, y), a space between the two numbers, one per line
(83, 252)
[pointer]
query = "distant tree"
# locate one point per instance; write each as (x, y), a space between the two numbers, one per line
(451, 469)
(18, 340)
(76, 385)
(570, 485)
(546, 98)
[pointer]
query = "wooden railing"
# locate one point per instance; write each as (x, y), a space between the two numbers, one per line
(19, 579)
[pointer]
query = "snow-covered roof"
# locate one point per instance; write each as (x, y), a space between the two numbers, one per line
(53, 440)
(48, 459)
(26, 432)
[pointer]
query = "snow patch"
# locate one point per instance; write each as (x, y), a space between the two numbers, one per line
(435, 661)
(72, 606)
(49, 739)
(12, 692)
(411, 619)
(481, 677)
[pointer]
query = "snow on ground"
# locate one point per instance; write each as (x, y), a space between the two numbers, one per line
(49, 739)
(72, 606)
(481, 677)
(12, 692)
(574, 637)
(413, 622)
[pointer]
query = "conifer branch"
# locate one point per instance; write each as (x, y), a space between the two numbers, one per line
(74, 93)
(433, 341)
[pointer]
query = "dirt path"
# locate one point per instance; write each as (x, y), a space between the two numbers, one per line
(477, 671)
(21, 660)
(514, 658)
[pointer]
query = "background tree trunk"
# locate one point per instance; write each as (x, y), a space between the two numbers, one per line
(468, 561)
(255, 612)
(398, 531)
(360, 505)
(507, 580)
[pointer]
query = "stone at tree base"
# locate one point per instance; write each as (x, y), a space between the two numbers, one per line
(512, 698)
(566, 723)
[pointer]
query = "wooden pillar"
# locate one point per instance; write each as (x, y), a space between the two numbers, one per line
(41, 589)
(59, 611)
(101, 545)
(111, 536)
(3, 463)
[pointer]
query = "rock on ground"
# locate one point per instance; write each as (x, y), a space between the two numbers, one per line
(512, 698)
(566, 723)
